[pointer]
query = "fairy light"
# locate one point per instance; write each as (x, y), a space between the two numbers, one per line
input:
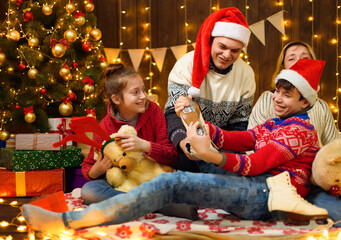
(120, 31)
(337, 63)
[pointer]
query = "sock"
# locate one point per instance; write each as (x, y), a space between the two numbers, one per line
(43, 220)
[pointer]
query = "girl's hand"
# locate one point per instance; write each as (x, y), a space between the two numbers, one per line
(181, 103)
(131, 142)
(100, 167)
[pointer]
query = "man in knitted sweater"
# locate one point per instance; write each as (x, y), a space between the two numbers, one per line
(221, 83)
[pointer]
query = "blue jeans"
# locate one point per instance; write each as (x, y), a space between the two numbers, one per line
(245, 197)
(97, 191)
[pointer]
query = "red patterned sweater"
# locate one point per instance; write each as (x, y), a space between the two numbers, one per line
(287, 145)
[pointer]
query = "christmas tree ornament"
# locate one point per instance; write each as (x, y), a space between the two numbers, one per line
(32, 73)
(43, 91)
(89, 88)
(10, 70)
(47, 9)
(30, 117)
(89, 7)
(33, 42)
(70, 7)
(87, 28)
(70, 35)
(17, 106)
(95, 34)
(21, 66)
(87, 46)
(2, 57)
(13, 35)
(103, 64)
(58, 50)
(68, 77)
(20, 2)
(91, 112)
(72, 96)
(64, 71)
(4, 135)
(65, 108)
(80, 21)
(28, 16)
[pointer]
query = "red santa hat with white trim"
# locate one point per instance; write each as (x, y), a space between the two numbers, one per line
(227, 22)
(305, 75)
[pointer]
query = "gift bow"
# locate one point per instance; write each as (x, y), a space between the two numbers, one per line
(87, 80)
(102, 59)
(62, 41)
(66, 100)
(66, 66)
(91, 111)
(28, 110)
(78, 14)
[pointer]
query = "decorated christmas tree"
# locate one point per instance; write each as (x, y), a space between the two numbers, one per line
(51, 58)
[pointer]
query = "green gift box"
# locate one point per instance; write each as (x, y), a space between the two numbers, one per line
(40, 159)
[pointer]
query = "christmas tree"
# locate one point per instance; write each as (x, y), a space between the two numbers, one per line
(51, 58)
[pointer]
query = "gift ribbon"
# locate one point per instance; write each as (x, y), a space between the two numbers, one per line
(20, 184)
(62, 41)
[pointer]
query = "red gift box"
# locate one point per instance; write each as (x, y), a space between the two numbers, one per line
(31, 183)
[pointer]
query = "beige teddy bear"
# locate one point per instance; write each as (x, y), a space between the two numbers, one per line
(326, 168)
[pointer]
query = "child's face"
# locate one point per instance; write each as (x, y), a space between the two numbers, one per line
(287, 102)
(133, 99)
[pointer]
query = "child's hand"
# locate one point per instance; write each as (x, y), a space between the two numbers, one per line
(181, 103)
(100, 167)
(200, 143)
(131, 142)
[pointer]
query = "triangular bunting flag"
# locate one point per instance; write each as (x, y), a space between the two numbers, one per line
(159, 56)
(258, 29)
(179, 51)
(277, 21)
(111, 53)
(135, 57)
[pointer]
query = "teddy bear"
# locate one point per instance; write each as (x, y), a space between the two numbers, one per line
(326, 168)
(130, 168)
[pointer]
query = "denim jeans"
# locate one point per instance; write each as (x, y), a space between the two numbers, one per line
(245, 197)
(97, 191)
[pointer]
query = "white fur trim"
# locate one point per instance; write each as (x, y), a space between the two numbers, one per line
(300, 83)
(194, 92)
(231, 30)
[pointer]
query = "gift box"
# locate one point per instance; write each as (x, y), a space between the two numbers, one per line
(31, 183)
(40, 159)
(2, 144)
(61, 126)
(37, 141)
(74, 178)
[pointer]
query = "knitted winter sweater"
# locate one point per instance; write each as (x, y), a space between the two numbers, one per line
(280, 145)
(320, 117)
(150, 126)
(225, 100)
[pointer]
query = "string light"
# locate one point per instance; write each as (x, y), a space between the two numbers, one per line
(337, 64)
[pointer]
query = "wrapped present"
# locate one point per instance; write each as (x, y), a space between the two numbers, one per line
(10, 143)
(40, 159)
(31, 183)
(74, 178)
(37, 141)
(61, 126)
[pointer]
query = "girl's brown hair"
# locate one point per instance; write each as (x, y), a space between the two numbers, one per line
(115, 77)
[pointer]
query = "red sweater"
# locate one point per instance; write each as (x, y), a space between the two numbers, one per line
(150, 126)
(287, 145)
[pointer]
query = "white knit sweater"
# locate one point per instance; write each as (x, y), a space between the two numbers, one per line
(320, 116)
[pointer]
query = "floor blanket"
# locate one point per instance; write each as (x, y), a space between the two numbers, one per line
(211, 220)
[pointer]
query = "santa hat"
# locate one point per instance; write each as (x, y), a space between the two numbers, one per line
(227, 22)
(305, 75)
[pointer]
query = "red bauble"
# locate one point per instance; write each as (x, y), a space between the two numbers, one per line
(43, 91)
(72, 96)
(21, 66)
(28, 16)
(335, 190)
(87, 46)
(20, 2)
(17, 106)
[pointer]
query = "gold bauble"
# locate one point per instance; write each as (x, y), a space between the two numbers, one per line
(4, 135)
(47, 10)
(13, 35)
(70, 35)
(70, 7)
(95, 34)
(32, 73)
(64, 71)
(89, 7)
(67, 77)
(89, 88)
(104, 64)
(58, 50)
(65, 109)
(80, 21)
(30, 117)
(33, 42)
(10, 70)
(87, 28)
(2, 58)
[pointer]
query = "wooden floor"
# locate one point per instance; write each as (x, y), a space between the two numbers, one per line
(9, 214)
